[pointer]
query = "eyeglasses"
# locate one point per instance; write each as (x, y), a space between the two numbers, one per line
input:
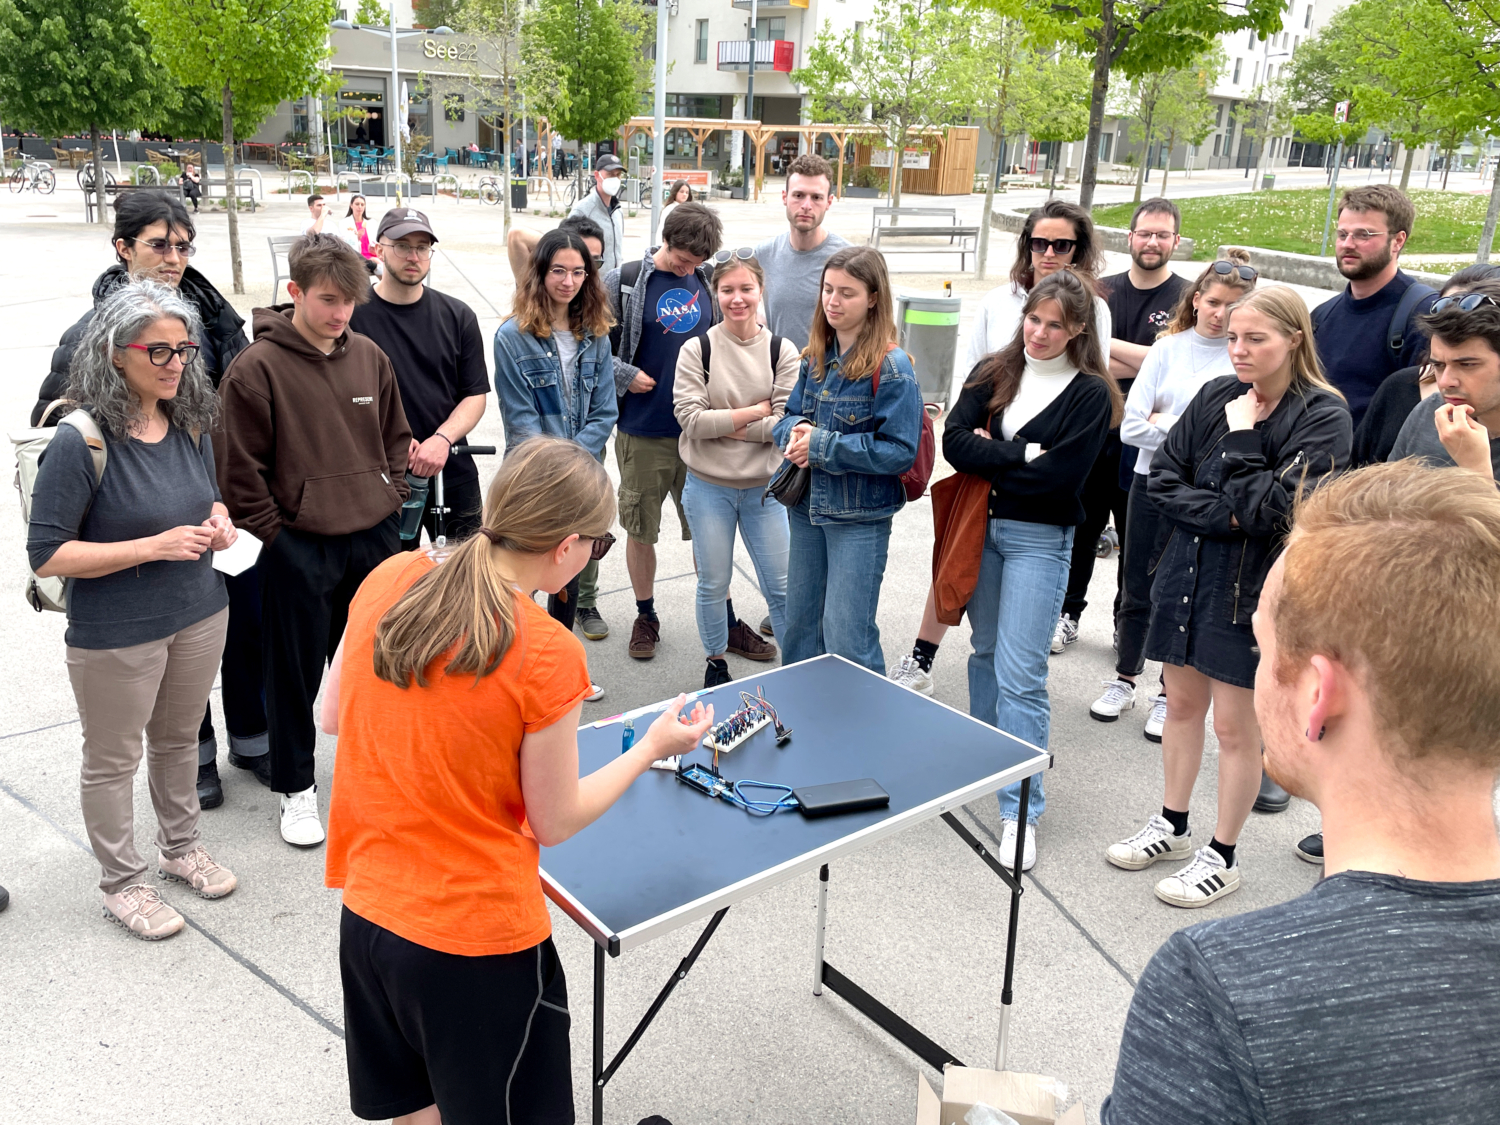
(1466, 302)
(559, 273)
(1228, 269)
(420, 253)
(161, 355)
(1056, 245)
(1359, 235)
(744, 254)
(1154, 235)
(601, 545)
(161, 245)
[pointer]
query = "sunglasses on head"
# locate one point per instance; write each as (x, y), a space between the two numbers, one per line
(1056, 245)
(1227, 269)
(744, 254)
(1466, 302)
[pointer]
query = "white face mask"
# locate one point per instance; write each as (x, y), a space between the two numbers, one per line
(611, 185)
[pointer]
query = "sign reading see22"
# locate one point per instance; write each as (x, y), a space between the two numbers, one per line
(458, 52)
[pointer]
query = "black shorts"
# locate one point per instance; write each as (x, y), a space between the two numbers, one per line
(485, 1038)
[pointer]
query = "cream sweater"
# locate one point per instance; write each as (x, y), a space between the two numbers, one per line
(741, 377)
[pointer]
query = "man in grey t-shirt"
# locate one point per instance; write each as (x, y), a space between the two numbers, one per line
(1375, 996)
(794, 261)
(1453, 427)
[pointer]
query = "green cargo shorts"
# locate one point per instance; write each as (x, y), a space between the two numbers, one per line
(651, 469)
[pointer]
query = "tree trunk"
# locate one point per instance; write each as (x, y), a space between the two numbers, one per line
(1447, 163)
(1411, 154)
(1097, 96)
(505, 159)
(101, 197)
(1166, 166)
(997, 150)
(898, 161)
(1487, 235)
(236, 265)
(1140, 176)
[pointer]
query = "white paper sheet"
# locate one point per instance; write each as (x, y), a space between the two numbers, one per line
(240, 556)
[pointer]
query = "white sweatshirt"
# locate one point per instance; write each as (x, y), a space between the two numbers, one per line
(1174, 370)
(1000, 315)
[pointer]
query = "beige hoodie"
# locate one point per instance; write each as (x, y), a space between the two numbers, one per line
(741, 377)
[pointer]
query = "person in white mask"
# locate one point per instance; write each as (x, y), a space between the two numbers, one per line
(602, 205)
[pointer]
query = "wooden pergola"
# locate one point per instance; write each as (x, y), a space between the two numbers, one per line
(699, 127)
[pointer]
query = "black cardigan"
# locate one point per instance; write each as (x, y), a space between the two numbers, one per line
(1071, 431)
(1395, 399)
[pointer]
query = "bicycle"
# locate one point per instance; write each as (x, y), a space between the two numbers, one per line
(489, 190)
(86, 178)
(35, 175)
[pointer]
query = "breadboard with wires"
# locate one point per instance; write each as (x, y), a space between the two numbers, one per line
(756, 712)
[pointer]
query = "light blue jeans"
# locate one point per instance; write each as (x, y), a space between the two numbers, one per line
(834, 588)
(713, 514)
(1023, 576)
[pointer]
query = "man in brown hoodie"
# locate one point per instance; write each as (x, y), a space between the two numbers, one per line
(313, 464)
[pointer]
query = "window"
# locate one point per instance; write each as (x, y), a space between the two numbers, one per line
(770, 27)
(1252, 38)
(1217, 139)
(700, 51)
(1218, 116)
(1296, 41)
(1106, 140)
(1256, 80)
(859, 39)
(693, 105)
(1237, 64)
(1307, 20)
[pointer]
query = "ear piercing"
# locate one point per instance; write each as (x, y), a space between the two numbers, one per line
(1321, 732)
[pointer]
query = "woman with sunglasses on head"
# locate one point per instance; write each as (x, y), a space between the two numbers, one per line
(728, 409)
(1224, 482)
(132, 531)
(456, 702)
(1057, 235)
(854, 419)
(554, 371)
(1190, 351)
(1031, 420)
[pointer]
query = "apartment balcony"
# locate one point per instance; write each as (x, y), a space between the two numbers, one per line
(770, 54)
(770, 5)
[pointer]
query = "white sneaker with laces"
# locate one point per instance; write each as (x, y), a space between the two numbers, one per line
(1157, 719)
(1152, 843)
(300, 825)
(595, 694)
(1065, 633)
(1201, 882)
(1009, 833)
(910, 674)
(1119, 695)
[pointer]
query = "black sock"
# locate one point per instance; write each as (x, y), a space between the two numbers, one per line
(1225, 850)
(646, 606)
(1178, 820)
(719, 662)
(729, 609)
(923, 653)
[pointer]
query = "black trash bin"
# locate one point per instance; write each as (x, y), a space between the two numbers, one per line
(518, 195)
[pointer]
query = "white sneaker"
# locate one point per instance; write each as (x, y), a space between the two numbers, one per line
(300, 826)
(909, 674)
(1152, 843)
(1008, 834)
(1119, 695)
(1065, 633)
(1157, 719)
(595, 694)
(1200, 882)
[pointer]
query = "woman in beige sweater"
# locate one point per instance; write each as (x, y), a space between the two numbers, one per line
(726, 417)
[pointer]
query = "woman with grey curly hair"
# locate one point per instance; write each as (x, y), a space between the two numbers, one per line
(146, 610)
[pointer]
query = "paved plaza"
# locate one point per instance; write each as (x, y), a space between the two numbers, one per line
(239, 1018)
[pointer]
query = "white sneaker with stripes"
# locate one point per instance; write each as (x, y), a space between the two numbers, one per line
(1151, 844)
(1201, 882)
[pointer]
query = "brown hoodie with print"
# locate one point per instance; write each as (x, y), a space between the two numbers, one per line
(311, 441)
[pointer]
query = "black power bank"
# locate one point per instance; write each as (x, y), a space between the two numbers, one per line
(841, 797)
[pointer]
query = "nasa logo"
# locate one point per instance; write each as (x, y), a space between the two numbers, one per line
(678, 311)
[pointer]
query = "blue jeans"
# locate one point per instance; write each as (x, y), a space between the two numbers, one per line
(1023, 575)
(835, 573)
(713, 513)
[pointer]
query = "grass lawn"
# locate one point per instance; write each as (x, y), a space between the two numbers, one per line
(1447, 222)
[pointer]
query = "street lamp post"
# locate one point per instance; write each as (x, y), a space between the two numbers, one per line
(750, 99)
(659, 124)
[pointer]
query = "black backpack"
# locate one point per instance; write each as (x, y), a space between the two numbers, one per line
(708, 353)
(1395, 333)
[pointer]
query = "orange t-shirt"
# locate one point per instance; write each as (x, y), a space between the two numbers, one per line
(427, 827)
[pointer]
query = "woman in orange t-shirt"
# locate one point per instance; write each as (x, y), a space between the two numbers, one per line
(456, 700)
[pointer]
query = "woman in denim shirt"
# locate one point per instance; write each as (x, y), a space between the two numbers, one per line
(854, 417)
(554, 372)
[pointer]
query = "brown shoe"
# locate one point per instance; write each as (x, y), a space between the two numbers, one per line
(198, 870)
(744, 642)
(141, 912)
(643, 637)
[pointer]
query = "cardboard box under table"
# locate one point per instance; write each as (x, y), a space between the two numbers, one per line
(847, 723)
(1030, 1099)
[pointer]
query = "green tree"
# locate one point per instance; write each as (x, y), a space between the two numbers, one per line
(71, 66)
(373, 13)
(440, 13)
(1172, 106)
(905, 68)
(1136, 37)
(255, 53)
(1478, 22)
(497, 79)
(588, 48)
(1053, 104)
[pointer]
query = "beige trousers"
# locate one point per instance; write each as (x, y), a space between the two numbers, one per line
(161, 688)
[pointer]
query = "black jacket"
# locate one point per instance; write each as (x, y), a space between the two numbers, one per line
(223, 332)
(1049, 489)
(1392, 404)
(1206, 474)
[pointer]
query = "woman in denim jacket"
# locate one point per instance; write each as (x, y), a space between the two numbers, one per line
(554, 372)
(854, 417)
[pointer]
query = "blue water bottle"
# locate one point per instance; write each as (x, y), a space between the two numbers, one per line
(627, 738)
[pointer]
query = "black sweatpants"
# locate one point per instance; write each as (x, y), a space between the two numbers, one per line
(1102, 496)
(563, 605)
(1144, 532)
(306, 584)
(241, 675)
(465, 503)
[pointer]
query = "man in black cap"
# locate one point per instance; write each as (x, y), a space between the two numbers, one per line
(433, 342)
(602, 205)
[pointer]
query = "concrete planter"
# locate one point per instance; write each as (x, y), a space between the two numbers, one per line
(1111, 238)
(852, 192)
(1308, 269)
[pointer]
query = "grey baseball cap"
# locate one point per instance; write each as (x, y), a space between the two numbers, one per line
(401, 221)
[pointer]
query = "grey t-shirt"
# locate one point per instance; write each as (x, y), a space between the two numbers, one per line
(146, 489)
(1419, 438)
(792, 278)
(1371, 998)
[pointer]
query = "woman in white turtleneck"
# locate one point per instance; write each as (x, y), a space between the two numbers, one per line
(1031, 420)
(1190, 351)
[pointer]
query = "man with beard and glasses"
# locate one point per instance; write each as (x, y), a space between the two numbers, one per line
(1373, 997)
(1371, 329)
(793, 260)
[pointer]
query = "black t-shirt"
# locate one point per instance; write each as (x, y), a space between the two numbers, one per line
(677, 309)
(1139, 314)
(438, 354)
